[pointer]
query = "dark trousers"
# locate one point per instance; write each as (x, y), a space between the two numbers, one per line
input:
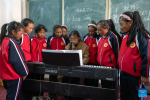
(129, 86)
(27, 94)
(13, 89)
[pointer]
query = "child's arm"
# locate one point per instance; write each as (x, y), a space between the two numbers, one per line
(115, 45)
(17, 59)
(144, 51)
(48, 43)
(86, 56)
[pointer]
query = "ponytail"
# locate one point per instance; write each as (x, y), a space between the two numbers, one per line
(3, 32)
(112, 27)
(12, 26)
(108, 24)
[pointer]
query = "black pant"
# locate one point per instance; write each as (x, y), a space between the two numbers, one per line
(129, 86)
(13, 89)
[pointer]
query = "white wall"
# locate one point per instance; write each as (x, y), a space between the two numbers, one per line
(5, 12)
(11, 10)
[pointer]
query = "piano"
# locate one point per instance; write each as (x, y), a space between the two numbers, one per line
(87, 71)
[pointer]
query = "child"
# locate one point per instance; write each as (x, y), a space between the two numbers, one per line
(56, 41)
(13, 68)
(108, 47)
(25, 40)
(64, 32)
(25, 44)
(77, 44)
(90, 40)
(38, 42)
(133, 56)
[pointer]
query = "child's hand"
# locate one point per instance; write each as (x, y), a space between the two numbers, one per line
(145, 81)
(24, 77)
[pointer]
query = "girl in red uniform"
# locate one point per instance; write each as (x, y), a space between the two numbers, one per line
(133, 56)
(108, 47)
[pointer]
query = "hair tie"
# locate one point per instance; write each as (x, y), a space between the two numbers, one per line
(92, 25)
(64, 26)
(125, 16)
(7, 29)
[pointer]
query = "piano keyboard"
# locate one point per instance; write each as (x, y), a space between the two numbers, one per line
(95, 66)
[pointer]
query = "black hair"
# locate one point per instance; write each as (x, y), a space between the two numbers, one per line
(93, 22)
(108, 24)
(56, 27)
(8, 28)
(136, 27)
(74, 33)
(26, 21)
(39, 28)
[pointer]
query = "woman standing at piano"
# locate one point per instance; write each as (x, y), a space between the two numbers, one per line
(108, 47)
(90, 40)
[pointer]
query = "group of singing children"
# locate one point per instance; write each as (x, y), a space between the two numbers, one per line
(129, 53)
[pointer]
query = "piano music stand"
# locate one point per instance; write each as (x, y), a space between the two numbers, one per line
(61, 59)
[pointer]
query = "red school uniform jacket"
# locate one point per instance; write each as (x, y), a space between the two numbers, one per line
(36, 48)
(91, 42)
(134, 59)
(54, 43)
(25, 44)
(12, 61)
(108, 48)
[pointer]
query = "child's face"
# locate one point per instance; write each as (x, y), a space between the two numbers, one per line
(41, 34)
(18, 34)
(64, 31)
(91, 31)
(29, 28)
(102, 31)
(58, 32)
(124, 26)
(74, 39)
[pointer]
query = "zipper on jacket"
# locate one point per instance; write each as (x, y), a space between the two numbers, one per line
(121, 61)
(101, 51)
(38, 57)
(57, 43)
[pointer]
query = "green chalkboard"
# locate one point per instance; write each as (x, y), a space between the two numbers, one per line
(46, 12)
(79, 13)
(120, 6)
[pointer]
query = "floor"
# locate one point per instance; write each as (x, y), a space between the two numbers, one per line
(3, 94)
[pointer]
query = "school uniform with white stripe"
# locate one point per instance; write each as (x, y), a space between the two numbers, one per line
(12, 66)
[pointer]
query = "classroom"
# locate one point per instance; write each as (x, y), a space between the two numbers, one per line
(74, 50)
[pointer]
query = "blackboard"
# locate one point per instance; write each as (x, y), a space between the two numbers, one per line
(79, 13)
(46, 12)
(120, 6)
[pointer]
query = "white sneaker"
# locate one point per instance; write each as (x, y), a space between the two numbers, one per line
(34, 98)
(40, 98)
(48, 98)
